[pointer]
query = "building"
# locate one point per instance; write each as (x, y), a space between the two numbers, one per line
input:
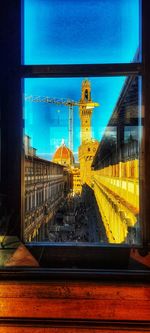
(45, 188)
(86, 155)
(76, 180)
(115, 176)
(88, 145)
(63, 155)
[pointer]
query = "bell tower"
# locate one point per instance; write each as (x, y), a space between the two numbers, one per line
(86, 112)
(88, 145)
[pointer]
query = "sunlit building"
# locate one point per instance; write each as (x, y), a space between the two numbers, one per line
(76, 180)
(64, 156)
(115, 177)
(88, 145)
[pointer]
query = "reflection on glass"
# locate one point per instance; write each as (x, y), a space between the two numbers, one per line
(81, 31)
(81, 147)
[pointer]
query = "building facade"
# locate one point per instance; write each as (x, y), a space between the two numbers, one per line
(88, 145)
(45, 185)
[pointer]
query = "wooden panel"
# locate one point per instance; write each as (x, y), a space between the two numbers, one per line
(5, 329)
(75, 301)
(75, 290)
(79, 309)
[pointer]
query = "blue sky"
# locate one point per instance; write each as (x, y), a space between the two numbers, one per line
(81, 31)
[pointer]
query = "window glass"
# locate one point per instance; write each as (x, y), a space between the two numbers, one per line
(82, 146)
(81, 31)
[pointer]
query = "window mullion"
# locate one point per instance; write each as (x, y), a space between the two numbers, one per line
(81, 70)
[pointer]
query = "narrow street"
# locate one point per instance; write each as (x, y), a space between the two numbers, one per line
(75, 222)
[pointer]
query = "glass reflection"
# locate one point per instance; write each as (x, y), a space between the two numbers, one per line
(82, 160)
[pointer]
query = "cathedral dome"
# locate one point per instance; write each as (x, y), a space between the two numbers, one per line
(63, 155)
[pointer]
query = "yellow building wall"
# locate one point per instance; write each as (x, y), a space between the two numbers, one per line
(116, 190)
(86, 154)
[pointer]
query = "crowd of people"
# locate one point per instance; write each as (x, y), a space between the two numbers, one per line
(71, 223)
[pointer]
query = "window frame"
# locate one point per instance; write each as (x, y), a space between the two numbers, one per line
(12, 73)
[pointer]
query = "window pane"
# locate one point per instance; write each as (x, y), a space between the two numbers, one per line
(82, 146)
(81, 31)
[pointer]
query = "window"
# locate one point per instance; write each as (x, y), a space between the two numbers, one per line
(107, 172)
(65, 67)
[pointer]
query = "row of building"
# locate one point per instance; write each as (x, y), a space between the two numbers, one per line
(47, 184)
